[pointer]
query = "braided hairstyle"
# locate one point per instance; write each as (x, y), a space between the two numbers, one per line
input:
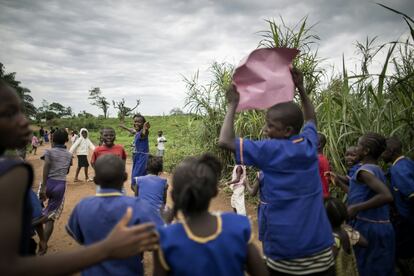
(195, 183)
(374, 142)
(138, 115)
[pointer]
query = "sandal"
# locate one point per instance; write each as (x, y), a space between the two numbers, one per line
(89, 180)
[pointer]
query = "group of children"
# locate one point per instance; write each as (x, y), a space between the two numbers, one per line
(303, 231)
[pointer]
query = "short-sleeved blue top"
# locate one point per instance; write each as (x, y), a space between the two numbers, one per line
(93, 219)
(223, 253)
(151, 189)
(295, 223)
(352, 170)
(402, 183)
(360, 192)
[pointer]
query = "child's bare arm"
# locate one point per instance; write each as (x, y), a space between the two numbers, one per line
(130, 130)
(158, 268)
(226, 138)
(254, 188)
(363, 242)
(145, 130)
(255, 264)
(383, 195)
(46, 168)
(308, 108)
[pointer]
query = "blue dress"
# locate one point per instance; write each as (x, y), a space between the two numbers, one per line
(223, 253)
(374, 224)
(140, 156)
(94, 217)
(151, 189)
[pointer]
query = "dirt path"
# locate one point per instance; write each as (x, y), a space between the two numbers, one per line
(61, 241)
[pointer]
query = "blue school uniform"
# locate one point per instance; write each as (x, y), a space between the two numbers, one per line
(140, 157)
(93, 219)
(151, 189)
(260, 208)
(223, 253)
(293, 220)
(402, 183)
(375, 226)
(6, 165)
(352, 170)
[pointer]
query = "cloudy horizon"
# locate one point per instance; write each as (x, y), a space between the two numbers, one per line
(142, 49)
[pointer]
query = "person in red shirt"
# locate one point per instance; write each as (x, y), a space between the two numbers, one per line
(324, 166)
(108, 146)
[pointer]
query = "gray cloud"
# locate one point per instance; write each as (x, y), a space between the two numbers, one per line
(141, 49)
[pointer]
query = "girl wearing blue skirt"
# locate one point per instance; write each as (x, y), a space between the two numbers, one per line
(368, 206)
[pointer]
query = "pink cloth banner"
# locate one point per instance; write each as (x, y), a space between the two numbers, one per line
(263, 78)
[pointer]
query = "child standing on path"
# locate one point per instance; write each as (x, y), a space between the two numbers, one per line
(204, 243)
(296, 234)
(324, 167)
(140, 145)
(151, 188)
(16, 179)
(368, 200)
(237, 185)
(160, 144)
(35, 143)
(94, 217)
(108, 147)
(401, 174)
(82, 146)
(57, 162)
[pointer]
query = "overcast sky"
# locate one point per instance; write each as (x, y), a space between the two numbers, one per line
(141, 49)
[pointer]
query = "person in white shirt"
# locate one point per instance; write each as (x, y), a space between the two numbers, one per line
(160, 144)
(82, 146)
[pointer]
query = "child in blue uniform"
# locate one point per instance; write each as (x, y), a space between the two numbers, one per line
(352, 161)
(151, 188)
(204, 243)
(140, 146)
(16, 179)
(297, 237)
(368, 200)
(94, 217)
(401, 174)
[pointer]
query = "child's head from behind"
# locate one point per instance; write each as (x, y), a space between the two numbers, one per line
(159, 133)
(14, 126)
(336, 211)
(283, 120)
(195, 184)
(139, 121)
(371, 145)
(110, 172)
(60, 137)
(154, 165)
(393, 150)
(108, 136)
(351, 156)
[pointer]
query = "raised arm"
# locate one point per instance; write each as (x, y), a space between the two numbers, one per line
(226, 139)
(308, 108)
(145, 130)
(130, 130)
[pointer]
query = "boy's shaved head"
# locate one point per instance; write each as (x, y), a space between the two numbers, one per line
(110, 171)
(288, 113)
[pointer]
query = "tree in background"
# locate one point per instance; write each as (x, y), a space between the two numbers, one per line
(23, 92)
(84, 114)
(176, 111)
(123, 110)
(95, 94)
(52, 111)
